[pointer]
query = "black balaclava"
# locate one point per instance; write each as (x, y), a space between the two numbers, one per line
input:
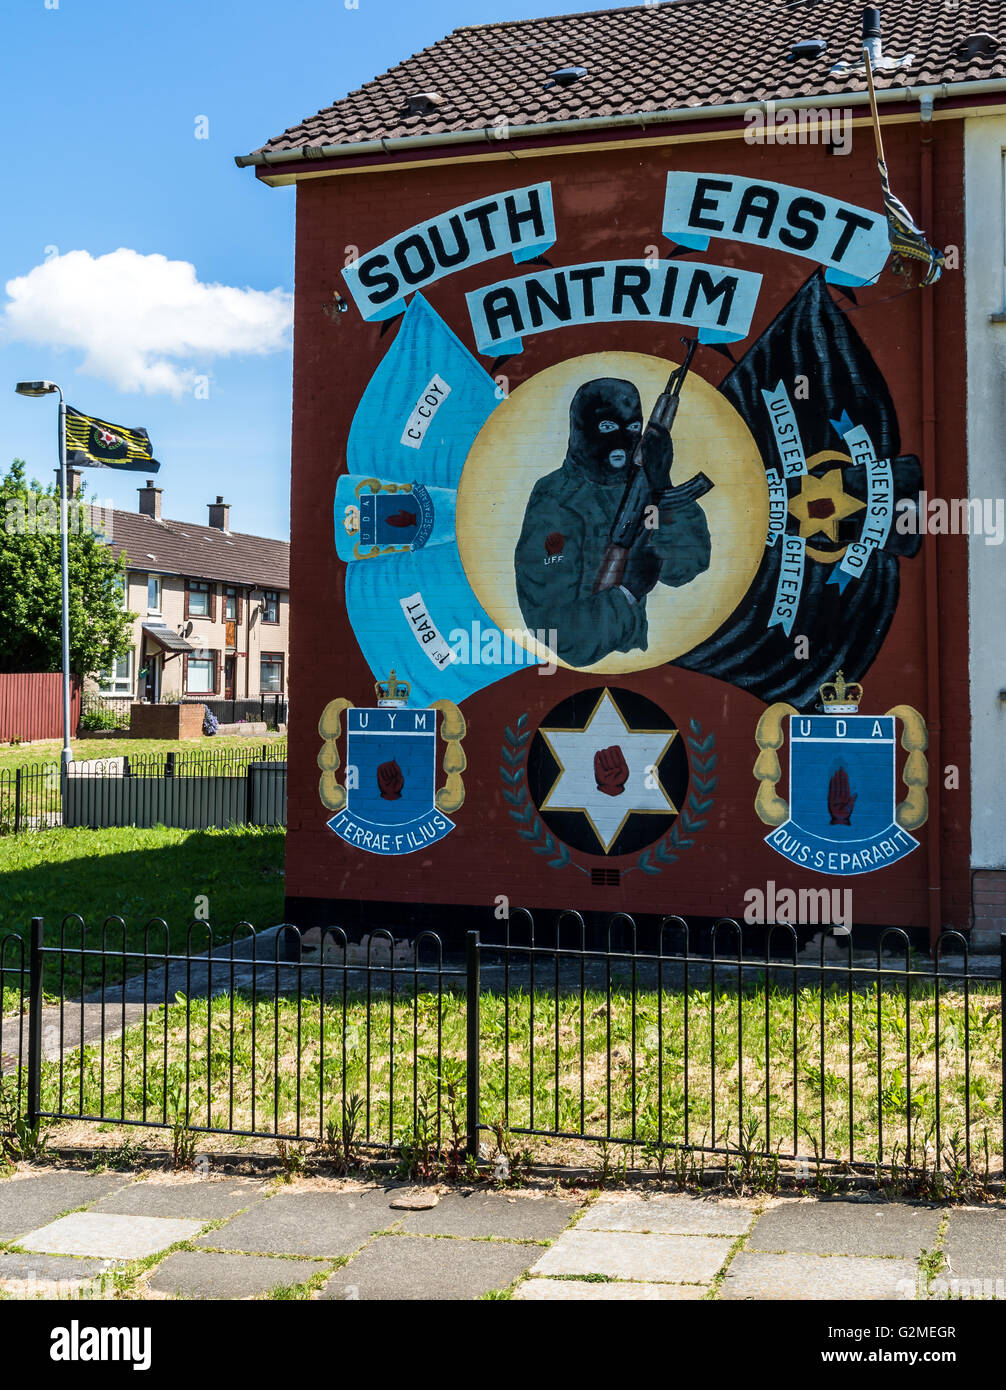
(605, 422)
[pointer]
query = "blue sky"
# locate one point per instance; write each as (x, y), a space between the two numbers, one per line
(100, 103)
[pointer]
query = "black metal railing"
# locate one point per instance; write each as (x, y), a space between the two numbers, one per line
(716, 1043)
(30, 797)
(190, 789)
(268, 708)
(14, 977)
(99, 713)
(854, 1057)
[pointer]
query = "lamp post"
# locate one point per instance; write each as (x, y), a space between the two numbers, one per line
(46, 388)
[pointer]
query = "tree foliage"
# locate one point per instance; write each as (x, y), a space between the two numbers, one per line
(100, 631)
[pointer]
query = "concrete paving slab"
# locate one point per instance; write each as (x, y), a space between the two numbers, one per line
(584, 1291)
(307, 1223)
(756, 1275)
(110, 1236)
(672, 1214)
(421, 1267)
(32, 1200)
(204, 1274)
(847, 1228)
(493, 1214)
(648, 1258)
(205, 1199)
(975, 1245)
(28, 1276)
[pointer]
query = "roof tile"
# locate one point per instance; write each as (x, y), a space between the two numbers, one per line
(650, 57)
(200, 552)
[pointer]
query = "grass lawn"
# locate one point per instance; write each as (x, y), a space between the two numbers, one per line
(290, 1069)
(84, 749)
(140, 874)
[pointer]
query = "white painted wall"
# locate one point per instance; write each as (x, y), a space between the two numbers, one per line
(984, 264)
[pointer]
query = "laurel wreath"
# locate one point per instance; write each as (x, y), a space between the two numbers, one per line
(698, 804)
(513, 771)
(692, 818)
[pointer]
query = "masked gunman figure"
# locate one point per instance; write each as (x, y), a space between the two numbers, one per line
(569, 518)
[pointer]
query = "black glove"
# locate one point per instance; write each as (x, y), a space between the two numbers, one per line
(682, 543)
(642, 570)
(658, 455)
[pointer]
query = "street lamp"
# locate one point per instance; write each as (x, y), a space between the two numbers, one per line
(46, 388)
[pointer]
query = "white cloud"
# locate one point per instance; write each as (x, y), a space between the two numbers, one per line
(143, 323)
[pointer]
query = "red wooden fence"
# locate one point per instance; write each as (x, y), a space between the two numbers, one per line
(31, 706)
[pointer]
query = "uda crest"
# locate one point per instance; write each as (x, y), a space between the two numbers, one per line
(843, 815)
(388, 802)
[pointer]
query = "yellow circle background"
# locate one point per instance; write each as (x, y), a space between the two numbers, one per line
(526, 437)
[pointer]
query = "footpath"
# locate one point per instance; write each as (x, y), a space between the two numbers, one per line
(71, 1233)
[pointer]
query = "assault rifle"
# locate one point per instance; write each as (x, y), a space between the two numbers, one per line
(639, 493)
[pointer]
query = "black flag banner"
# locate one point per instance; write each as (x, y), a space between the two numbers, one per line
(906, 238)
(93, 443)
(845, 619)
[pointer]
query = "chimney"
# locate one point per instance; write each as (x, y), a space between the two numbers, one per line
(872, 38)
(73, 480)
(220, 514)
(150, 500)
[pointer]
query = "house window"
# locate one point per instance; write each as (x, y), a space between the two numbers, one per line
(198, 599)
(201, 673)
(153, 593)
(271, 673)
(118, 679)
(270, 606)
(232, 605)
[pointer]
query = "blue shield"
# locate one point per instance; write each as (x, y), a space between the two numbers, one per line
(391, 760)
(842, 795)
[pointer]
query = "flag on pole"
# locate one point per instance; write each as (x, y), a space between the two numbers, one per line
(93, 443)
(905, 236)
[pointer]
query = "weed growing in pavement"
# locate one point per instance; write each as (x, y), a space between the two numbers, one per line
(340, 1137)
(19, 1141)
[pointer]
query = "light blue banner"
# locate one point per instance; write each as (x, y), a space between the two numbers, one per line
(879, 508)
(778, 505)
(520, 221)
(789, 584)
(851, 241)
(415, 611)
(786, 431)
(463, 394)
(717, 300)
(409, 602)
(810, 851)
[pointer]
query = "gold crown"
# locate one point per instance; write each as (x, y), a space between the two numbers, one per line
(840, 695)
(392, 689)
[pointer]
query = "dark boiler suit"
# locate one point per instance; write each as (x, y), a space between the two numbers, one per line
(567, 527)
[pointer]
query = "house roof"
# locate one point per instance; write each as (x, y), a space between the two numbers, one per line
(660, 57)
(200, 552)
(167, 638)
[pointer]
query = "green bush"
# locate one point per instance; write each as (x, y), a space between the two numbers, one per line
(96, 717)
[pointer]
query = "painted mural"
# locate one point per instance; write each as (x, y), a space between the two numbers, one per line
(616, 513)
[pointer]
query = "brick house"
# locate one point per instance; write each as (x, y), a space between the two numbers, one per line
(212, 606)
(500, 244)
